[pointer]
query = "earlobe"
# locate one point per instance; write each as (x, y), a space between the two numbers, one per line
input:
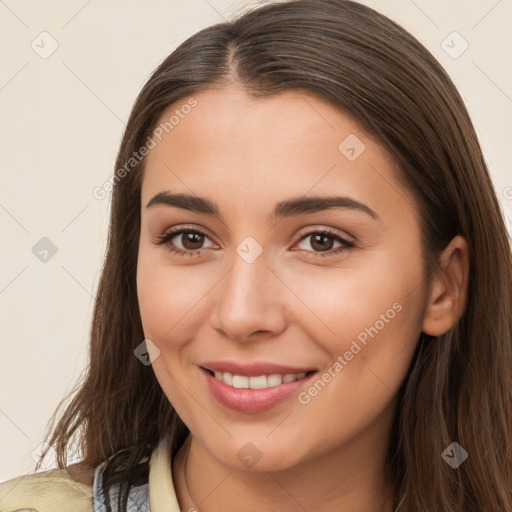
(448, 294)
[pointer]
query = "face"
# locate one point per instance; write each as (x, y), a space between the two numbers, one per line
(297, 252)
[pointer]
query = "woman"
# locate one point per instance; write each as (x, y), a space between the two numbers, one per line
(306, 299)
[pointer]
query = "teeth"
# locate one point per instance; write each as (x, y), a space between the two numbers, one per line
(289, 377)
(240, 382)
(274, 380)
(257, 382)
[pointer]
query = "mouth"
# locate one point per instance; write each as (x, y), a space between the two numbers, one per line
(257, 381)
(255, 393)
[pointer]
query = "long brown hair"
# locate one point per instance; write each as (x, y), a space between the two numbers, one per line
(459, 385)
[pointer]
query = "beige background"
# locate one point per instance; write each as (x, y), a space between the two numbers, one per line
(61, 123)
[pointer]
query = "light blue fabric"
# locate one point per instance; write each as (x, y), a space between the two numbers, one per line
(138, 498)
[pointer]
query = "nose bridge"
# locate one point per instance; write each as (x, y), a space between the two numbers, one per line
(248, 299)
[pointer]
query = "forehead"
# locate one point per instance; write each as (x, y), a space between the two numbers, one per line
(264, 149)
(233, 114)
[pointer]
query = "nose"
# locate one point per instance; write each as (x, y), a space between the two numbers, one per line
(250, 301)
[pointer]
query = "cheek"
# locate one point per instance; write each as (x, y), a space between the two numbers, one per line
(374, 314)
(169, 304)
(170, 298)
(368, 359)
(340, 304)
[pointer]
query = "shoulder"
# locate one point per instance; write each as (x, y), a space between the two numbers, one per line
(55, 490)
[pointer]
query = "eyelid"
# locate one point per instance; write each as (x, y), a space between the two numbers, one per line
(302, 233)
(179, 229)
(311, 230)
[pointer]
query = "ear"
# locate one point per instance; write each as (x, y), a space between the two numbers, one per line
(448, 293)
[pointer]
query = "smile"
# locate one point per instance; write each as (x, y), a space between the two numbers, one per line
(257, 382)
(255, 393)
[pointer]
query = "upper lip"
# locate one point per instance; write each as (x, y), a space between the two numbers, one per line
(255, 368)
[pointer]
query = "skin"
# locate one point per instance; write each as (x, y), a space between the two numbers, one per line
(246, 155)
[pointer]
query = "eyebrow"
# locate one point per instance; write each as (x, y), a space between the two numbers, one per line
(283, 209)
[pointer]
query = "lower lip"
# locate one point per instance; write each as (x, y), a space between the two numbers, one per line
(253, 400)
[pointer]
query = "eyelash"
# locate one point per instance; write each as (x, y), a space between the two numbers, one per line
(348, 246)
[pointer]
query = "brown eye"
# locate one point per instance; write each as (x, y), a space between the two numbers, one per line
(191, 240)
(322, 243)
(184, 241)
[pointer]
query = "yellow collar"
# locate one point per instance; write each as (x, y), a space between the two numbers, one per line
(162, 496)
